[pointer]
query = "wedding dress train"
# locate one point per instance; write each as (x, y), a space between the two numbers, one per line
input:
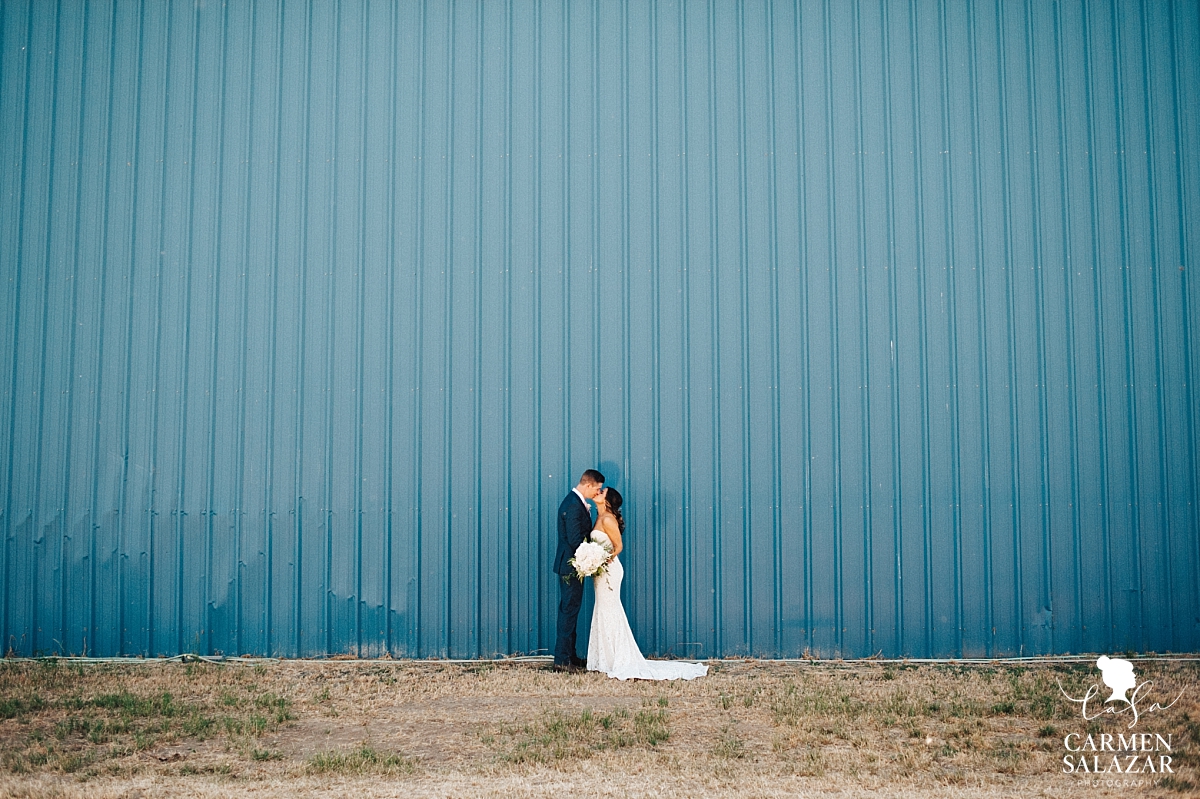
(611, 646)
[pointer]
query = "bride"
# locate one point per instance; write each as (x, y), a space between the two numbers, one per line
(611, 647)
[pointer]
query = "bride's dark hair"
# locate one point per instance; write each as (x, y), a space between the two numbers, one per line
(612, 498)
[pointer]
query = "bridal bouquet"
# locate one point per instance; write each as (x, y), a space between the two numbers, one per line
(590, 558)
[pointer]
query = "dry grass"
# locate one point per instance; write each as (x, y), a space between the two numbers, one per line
(379, 728)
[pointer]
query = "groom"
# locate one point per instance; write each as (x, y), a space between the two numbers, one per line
(574, 526)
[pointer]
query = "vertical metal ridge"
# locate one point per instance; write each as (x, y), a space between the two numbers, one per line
(1184, 266)
(391, 267)
(544, 597)
(835, 337)
(305, 147)
(123, 494)
(1014, 439)
(447, 520)
(657, 514)
(269, 644)
(744, 343)
(594, 231)
(360, 313)
(37, 413)
(214, 338)
(477, 354)
(160, 263)
(18, 274)
(1131, 373)
(685, 521)
(951, 333)
(11, 355)
(923, 338)
(64, 533)
(43, 338)
(565, 100)
(328, 591)
(625, 281)
(94, 496)
(624, 156)
(416, 630)
(188, 259)
(1164, 485)
(894, 337)
(1040, 314)
(863, 339)
(511, 611)
(239, 519)
(1098, 310)
(777, 622)
(805, 368)
(714, 319)
(1069, 315)
(981, 342)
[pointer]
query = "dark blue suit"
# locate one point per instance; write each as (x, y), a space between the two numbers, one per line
(574, 526)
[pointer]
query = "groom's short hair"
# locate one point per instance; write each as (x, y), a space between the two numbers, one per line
(592, 476)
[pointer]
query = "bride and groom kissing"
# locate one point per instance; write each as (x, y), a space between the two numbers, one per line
(611, 645)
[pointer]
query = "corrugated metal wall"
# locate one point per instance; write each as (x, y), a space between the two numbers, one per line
(880, 314)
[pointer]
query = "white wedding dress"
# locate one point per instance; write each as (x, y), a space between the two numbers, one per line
(611, 646)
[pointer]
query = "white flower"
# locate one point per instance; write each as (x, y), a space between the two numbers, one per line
(590, 558)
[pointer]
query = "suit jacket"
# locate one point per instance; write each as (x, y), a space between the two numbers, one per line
(574, 526)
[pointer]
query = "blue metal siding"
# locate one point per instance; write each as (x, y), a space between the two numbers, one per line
(878, 313)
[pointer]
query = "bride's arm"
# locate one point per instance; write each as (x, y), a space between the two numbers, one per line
(609, 524)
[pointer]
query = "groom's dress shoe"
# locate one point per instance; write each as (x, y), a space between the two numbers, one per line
(569, 668)
(580, 662)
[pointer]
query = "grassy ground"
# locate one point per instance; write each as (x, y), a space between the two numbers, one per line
(386, 728)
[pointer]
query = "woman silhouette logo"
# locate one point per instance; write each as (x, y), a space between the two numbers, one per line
(1117, 675)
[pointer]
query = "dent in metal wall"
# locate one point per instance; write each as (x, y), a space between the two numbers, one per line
(880, 314)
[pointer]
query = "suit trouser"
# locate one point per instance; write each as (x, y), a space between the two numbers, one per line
(570, 598)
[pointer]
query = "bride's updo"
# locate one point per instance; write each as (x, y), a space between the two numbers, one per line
(612, 499)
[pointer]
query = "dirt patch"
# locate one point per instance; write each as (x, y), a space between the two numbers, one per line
(385, 728)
